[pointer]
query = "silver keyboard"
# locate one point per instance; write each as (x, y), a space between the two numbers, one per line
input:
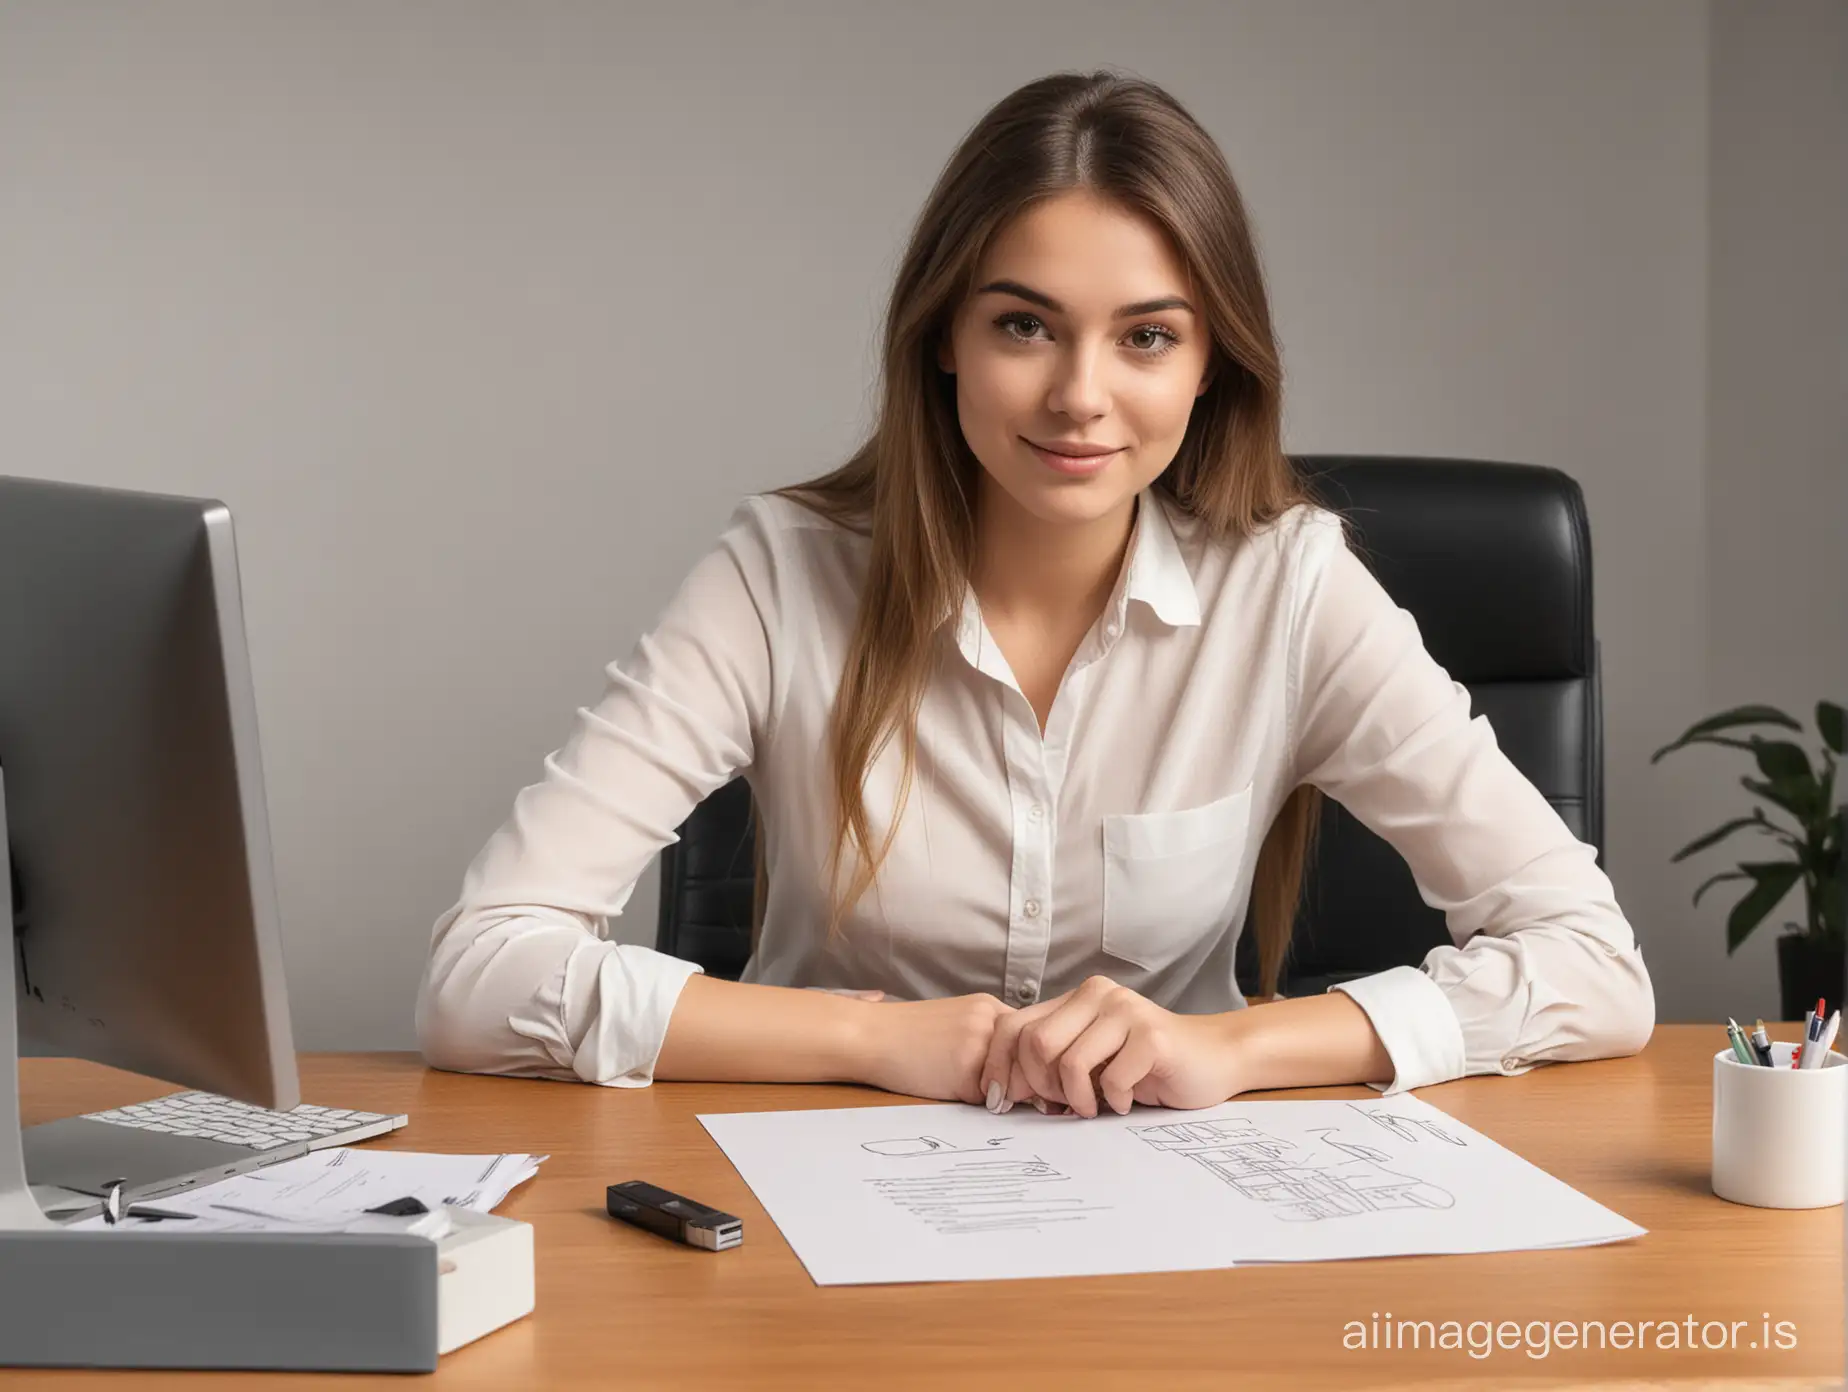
(215, 1118)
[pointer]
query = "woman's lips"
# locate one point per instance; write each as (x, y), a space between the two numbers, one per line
(1073, 464)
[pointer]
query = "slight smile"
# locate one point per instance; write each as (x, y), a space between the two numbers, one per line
(1071, 463)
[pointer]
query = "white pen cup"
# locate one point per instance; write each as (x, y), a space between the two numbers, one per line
(1778, 1131)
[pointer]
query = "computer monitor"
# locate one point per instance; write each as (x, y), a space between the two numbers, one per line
(144, 902)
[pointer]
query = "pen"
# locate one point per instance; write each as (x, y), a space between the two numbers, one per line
(1737, 1040)
(1812, 1024)
(1817, 1049)
(1796, 1054)
(1761, 1043)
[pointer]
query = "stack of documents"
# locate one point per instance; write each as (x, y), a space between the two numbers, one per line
(953, 1193)
(330, 1191)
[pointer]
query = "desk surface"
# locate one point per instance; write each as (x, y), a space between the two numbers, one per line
(618, 1307)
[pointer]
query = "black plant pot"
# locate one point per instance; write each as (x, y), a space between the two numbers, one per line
(1807, 968)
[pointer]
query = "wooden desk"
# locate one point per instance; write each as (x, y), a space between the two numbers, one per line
(619, 1308)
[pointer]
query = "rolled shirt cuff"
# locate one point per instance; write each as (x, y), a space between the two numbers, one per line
(636, 989)
(1415, 1021)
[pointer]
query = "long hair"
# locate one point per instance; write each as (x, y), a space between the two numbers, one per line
(911, 486)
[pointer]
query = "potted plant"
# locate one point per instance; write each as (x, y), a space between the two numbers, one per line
(1809, 957)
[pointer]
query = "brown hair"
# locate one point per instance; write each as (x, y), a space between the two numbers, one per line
(911, 486)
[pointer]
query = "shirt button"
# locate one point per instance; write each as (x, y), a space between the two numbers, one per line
(1025, 991)
(1110, 629)
(1035, 812)
(1032, 907)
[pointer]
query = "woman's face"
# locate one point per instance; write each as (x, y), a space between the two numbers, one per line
(1080, 330)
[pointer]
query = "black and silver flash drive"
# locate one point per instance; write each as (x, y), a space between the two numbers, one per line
(673, 1215)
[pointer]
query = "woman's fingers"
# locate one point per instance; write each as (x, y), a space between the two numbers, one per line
(1125, 1080)
(1043, 1041)
(994, 1080)
(1000, 1080)
(1100, 1042)
(1020, 1090)
(1059, 1054)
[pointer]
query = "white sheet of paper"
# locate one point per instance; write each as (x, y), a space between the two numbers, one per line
(948, 1192)
(326, 1190)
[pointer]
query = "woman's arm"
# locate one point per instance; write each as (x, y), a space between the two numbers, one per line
(739, 1032)
(1310, 1041)
(1545, 966)
(729, 1031)
(520, 978)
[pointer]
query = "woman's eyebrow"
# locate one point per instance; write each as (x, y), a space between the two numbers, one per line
(1014, 287)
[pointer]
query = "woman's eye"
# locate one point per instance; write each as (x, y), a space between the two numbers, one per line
(1019, 328)
(1163, 339)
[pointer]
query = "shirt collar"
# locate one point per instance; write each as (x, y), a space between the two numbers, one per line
(1156, 574)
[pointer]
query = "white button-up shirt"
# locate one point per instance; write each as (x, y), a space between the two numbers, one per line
(1120, 842)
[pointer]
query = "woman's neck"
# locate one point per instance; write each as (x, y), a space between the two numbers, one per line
(1044, 574)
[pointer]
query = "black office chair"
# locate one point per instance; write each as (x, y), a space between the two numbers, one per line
(1494, 562)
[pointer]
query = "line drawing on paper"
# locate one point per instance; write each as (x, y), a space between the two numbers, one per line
(980, 1196)
(1406, 1128)
(908, 1146)
(1320, 1177)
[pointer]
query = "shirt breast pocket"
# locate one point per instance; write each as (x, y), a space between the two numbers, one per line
(1169, 877)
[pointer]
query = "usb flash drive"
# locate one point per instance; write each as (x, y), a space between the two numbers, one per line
(673, 1215)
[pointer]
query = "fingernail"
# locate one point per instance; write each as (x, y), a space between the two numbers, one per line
(994, 1096)
(1007, 1105)
(1039, 1105)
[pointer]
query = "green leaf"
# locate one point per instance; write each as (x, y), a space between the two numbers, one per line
(1774, 881)
(1796, 796)
(1780, 759)
(1726, 720)
(1829, 721)
(1757, 819)
(1729, 741)
(1720, 878)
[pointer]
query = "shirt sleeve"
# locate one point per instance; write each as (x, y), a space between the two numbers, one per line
(1545, 966)
(521, 979)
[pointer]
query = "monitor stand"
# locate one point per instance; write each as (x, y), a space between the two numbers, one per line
(151, 1298)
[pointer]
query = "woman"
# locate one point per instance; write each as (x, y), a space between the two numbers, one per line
(1037, 693)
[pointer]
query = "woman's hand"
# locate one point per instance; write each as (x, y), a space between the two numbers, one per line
(931, 1048)
(1104, 1045)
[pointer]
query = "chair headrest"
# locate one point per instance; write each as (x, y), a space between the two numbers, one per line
(1493, 559)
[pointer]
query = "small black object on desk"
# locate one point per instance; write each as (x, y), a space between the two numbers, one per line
(673, 1215)
(407, 1207)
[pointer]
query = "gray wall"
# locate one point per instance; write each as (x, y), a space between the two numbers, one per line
(1777, 420)
(481, 317)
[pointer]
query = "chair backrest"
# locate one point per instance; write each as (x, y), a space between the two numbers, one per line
(707, 878)
(1494, 562)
